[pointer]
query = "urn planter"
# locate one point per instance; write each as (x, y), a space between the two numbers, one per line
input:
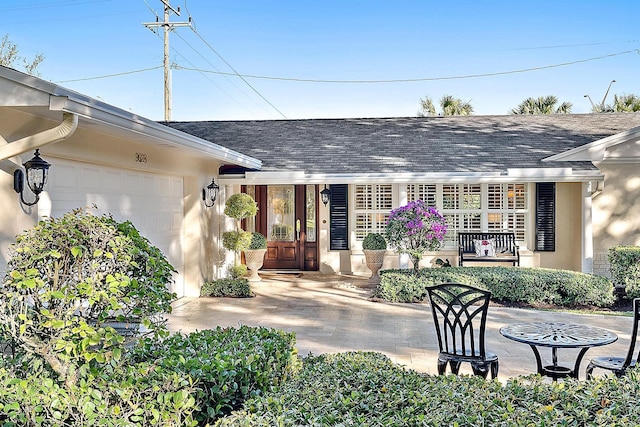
(254, 259)
(374, 259)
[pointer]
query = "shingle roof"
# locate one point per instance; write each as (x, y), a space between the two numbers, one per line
(414, 144)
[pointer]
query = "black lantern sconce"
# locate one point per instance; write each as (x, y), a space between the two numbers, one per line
(37, 172)
(325, 195)
(210, 193)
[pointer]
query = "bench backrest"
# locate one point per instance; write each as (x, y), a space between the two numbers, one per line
(505, 242)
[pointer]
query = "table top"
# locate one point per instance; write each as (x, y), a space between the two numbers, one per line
(558, 335)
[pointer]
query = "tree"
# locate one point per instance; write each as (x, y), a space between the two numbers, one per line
(10, 57)
(415, 228)
(542, 105)
(625, 103)
(449, 105)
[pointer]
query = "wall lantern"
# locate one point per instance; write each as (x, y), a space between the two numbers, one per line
(209, 193)
(37, 172)
(325, 195)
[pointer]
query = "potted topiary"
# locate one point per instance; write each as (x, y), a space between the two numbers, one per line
(254, 256)
(374, 247)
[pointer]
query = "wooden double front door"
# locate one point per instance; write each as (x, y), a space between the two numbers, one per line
(288, 217)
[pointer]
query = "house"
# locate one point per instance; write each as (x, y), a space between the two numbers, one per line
(123, 164)
(567, 185)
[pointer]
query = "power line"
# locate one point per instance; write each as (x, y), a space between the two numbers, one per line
(236, 73)
(413, 80)
(106, 76)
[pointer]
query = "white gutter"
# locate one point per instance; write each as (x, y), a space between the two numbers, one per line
(65, 129)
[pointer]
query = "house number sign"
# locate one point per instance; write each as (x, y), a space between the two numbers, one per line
(141, 158)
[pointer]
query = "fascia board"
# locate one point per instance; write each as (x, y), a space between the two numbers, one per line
(514, 175)
(596, 150)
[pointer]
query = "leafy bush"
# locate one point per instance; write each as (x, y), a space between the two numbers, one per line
(229, 365)
(625, 269)
(68, 277)
(508, 284)
(130, 395)
(374, 242)
(240, 206)
(227, 287)
(258, 241)
(237, 240)
(366, 389)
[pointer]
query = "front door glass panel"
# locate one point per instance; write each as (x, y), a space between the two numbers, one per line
(281, 212)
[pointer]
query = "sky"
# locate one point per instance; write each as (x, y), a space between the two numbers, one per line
(305, 59)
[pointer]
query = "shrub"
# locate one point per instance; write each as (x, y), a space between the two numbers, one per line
(366, 389)
(229, 365)
(625, 269)
(236, 241)
(374, 242)
(415, 228)
(258, 241)
(508, 284)
(129, 395)
(227, 287)
(69, 276)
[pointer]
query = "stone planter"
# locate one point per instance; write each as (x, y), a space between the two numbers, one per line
(254, 259)
(374, 259)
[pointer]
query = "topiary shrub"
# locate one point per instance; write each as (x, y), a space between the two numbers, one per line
(68, 277)
(374, 242)
(227, 287)
(239, 206)
(258, 241)
(625, 269)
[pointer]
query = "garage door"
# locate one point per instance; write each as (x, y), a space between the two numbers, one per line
(152, 202)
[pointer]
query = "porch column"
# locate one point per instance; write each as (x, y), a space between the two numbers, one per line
(587, 227)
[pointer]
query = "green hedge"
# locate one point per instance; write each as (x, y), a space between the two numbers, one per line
(507, 284)
(131, 395)
(366, 389)
(625, 269)
(228, 287)
(228, 364)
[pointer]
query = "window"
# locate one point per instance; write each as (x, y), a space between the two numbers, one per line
(372, 206)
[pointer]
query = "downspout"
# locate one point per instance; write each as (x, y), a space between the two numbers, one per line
(65, 129)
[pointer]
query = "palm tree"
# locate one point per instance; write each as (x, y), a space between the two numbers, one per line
(625, 103)
(449, 105)
(542, 105)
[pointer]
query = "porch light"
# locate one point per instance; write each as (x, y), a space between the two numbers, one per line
(210, 193)
(325, 195)
(36, 170)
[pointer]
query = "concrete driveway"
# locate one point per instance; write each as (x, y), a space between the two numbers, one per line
(332, 314)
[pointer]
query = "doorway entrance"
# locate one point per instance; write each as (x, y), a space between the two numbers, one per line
(288, 217)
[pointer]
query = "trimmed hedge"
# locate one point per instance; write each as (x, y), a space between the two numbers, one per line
(507, 284)
(228, 365)
(367, 389)
(228, 287)
(625, 269)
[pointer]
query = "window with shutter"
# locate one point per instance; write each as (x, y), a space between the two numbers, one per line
(339, 218)
(546, 216)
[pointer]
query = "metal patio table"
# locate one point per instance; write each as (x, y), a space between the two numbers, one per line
(557, 335)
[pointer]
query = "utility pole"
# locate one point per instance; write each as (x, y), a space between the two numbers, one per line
(167, 26)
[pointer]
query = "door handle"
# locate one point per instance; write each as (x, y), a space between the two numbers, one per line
(298, 229)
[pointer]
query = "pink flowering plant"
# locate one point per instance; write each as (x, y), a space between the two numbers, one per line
(415, 228)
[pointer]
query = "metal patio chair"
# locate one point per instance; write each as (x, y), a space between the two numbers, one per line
(460, 317)
(619, 365)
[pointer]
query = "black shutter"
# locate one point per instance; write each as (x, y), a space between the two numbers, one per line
(338, 218)
(546, 216)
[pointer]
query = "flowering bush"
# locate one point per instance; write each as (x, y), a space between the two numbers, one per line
(415, 228)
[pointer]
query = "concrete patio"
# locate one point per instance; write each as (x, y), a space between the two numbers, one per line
(333, 314)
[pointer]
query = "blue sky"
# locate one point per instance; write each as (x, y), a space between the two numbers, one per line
(372, 42)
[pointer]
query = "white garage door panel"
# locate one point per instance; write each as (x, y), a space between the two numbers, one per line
(152, 202)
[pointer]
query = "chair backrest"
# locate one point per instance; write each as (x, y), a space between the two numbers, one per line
(460, 317)
(634, 333)
(505, 242)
